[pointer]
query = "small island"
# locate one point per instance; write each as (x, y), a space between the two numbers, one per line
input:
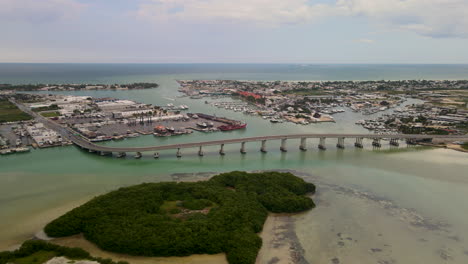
(73, 87)
(221, 215)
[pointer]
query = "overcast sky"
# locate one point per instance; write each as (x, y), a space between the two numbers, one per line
(238, 31)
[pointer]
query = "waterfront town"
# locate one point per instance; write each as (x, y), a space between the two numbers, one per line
(443, 107)
(441, 110)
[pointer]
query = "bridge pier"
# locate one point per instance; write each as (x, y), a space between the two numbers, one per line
(340, 143)
(394, 142)
(358, 143)
(221, 150)
(121, 155)
(200, 152)
(376, 143)
(138, 155)
(263, 148)
(242, 150)
(179, 153)
(283, 145)
(156, 155)
(321, 145)
(104, 153)
(303, 145)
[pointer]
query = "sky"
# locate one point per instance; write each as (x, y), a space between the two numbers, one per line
(234, 31)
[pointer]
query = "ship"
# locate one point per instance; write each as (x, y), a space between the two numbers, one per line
(232, 127)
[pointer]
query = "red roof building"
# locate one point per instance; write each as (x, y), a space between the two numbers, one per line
(247, 94)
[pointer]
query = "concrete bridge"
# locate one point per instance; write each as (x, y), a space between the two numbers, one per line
(340, 143)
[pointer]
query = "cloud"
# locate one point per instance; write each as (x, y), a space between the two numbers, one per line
(367, 41)
(260, 12)
(433, 18)
(39, 11)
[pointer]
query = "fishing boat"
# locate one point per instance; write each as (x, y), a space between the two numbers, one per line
(232, 127)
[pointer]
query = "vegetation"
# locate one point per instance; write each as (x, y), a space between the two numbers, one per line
(46, 108)
(38, 257)
(33, 87)
(38, 252)
(465, 145)
(10, 113)
(422, 130)
(164, 219)
(50, 114)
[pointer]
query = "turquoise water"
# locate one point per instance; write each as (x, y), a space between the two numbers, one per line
(376, 197)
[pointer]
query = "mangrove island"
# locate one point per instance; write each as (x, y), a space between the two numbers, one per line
(223, 214)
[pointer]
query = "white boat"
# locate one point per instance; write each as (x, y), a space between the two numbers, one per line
(20, 150)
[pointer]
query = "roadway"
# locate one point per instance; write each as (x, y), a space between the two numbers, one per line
(90, 146)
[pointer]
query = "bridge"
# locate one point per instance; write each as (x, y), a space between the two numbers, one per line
(394, 140)
(340, 143)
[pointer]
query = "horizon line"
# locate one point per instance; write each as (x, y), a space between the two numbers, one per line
(252, 63)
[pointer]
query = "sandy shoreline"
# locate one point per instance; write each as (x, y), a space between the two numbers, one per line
(79, 241)
(280, 245)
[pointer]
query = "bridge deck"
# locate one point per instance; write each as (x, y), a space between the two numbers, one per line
(91, 146)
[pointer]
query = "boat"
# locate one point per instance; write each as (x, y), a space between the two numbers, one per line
(20, 150)
(360, 122)
(274, 120)
(170, 129)
(202, 125)
(232, 127)
(6, 152)
(161, 134)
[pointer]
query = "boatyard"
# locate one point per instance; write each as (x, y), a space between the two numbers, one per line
(101, 119)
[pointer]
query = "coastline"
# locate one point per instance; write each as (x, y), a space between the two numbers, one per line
(445, 146)
(280, 243)
(81, 242)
